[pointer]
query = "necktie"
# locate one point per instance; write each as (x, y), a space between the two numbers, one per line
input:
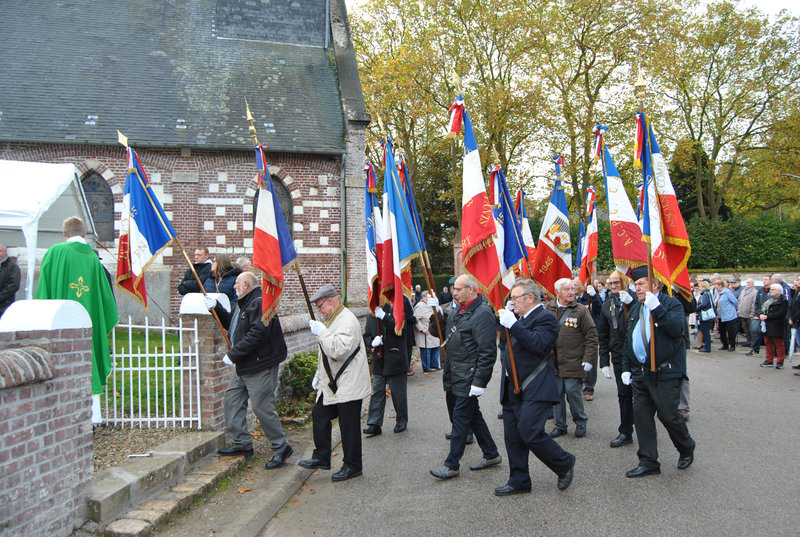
(641, 335)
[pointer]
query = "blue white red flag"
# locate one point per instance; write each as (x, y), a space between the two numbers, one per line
(273, 248)
(581, 238)
(554, 251)
(589, 248)
(456, 117)
(405, 180)
(527, 236)
(145, 230)
(374, 238)
(508, 242)
(626, 235)
(400, 242)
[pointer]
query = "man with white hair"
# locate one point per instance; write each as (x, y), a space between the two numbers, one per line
(747, 310)
(576, 354)
(245, 264)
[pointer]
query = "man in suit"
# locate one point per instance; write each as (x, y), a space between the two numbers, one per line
(659, 391)
(533, 332)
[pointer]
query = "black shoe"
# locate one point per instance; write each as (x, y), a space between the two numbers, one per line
(373, 430)
(685, 462)
(703, 350)
(500, 415)
(448, 436)
(399, 428)
(621, 440)
(279, 458)
(580, 430)
(315, 463)
(555, 433)
(641, 471)
(766, 363)
(779, 365)
(345, 473)
(470, 439)
(565, 480)
(724, 348)
(236, 450)
(508, 490)
(751, 352)
(796, 366)
(731, 349)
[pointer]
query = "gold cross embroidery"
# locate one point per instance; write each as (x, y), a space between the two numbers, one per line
(79, 287)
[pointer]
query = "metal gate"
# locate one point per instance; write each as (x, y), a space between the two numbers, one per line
(155, 380)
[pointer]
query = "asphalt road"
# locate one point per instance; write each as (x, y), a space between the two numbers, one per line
(744, 480)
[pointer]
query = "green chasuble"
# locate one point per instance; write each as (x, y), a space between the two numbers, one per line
(72, 271)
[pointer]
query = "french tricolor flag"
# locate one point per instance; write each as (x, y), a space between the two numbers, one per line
(527, 236)
(554, 251)
(273, 248)
(374, 238)
(509, 244)
(589, 247)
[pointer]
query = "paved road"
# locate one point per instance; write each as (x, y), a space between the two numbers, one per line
(744, 480)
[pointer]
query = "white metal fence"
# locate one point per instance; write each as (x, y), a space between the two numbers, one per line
(155, 379)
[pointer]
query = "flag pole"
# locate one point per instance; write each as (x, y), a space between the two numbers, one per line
(640, 86)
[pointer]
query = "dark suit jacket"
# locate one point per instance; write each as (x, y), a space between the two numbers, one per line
(532, 339)
(670, 346)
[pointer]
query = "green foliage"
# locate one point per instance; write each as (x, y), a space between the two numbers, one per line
(298, 373)
(440, 280)
(744, 243)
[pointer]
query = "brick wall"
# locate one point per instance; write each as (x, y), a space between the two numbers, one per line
(45, 431)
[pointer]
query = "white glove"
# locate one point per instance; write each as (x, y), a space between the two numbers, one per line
(439, 309)
(316, 327)
(377, 341)
(625, 297)
(606, 372)
(651, 301)
(433, 301)
(591, 290)
(209, 302)
(379, 313)
(507, 318)
(626, 378)
(510, 306)
(226, 360)
(315, 384)
(475, 391)
(586, 366)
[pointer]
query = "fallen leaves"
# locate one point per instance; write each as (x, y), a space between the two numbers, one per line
(242, 490)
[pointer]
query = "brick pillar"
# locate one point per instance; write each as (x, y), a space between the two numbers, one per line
(214, 375)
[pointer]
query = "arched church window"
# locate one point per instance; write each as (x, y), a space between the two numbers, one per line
(101, 205)
(285, 201)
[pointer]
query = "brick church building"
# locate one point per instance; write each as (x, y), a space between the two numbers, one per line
(173, 77)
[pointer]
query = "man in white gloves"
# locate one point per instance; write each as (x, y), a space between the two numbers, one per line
(612, 328)
(471, 350)
(341, 381)
(659, 391)
(576, 355)
(256, 350)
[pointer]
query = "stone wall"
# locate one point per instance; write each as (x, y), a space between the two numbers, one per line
(45, 431)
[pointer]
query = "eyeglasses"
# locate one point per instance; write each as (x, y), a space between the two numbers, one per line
(513, 298)
(321, 302)
(610, 282)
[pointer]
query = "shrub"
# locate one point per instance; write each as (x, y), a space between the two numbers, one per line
(298, 373)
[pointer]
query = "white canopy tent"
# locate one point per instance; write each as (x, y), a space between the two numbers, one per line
(35, 200)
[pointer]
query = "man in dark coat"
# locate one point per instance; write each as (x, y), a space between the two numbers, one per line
(9, 280)
(256, 350)
(389, 366)
(471, 349)
(202, 265)
(611, 332)
(657, 392)
(533, 332)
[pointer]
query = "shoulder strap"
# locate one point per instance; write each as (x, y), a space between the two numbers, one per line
(344, 366)
(565, 315)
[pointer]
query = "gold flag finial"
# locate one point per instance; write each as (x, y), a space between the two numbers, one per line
(122, 138)
(456, 80)
(496, 155)
(381, 125)
(640, 85)
(250, 122)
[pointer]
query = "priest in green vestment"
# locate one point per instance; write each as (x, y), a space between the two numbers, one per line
(72, 271)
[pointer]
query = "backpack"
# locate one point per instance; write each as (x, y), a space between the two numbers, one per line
(433, 328)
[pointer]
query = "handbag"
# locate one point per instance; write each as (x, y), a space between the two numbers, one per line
(707, 315)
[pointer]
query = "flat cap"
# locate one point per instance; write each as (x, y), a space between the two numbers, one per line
(638, 273)
(326, 291)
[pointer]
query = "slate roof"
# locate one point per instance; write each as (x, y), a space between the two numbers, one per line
(170, 73)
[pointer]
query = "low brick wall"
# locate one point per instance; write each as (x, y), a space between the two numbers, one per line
(45, 431)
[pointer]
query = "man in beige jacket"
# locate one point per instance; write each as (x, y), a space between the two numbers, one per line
(341, 384)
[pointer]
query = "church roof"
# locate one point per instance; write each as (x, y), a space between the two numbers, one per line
(170, 73)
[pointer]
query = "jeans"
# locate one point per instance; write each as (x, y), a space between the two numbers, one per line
(705, 329)
(429, 357)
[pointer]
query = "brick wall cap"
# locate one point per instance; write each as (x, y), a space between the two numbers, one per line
(27, 315)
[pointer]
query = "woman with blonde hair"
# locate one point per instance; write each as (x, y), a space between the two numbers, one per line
(704, 304)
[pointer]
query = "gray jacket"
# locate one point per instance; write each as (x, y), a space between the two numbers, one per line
(471, 348)
(747, 302)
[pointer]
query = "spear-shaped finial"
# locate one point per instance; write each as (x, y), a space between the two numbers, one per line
(381, 126)
(122, 138)
(456, 80)
(250, 122)
(640, 85)
(496, 155)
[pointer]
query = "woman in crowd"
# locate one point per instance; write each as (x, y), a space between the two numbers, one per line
(704, 305)
(773, 317)
(223, 276)
(727, 311)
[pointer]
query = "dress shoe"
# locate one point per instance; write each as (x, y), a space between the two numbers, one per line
(724, 348)
(444, 473)
(373, 430)
(399, 428)
(279, 458)
(500, 414)
(345, 473)
(448, 436)
(641, 471)
(555, 433)
(621, 440)
(508, 490)
(565, 480)
(486, 463)
(685, 462)
(731, 349)
(588, 396)
(704, 350)
(314, 463)
(236, 450)
(580, 430)
(751, 352)
(796, 366)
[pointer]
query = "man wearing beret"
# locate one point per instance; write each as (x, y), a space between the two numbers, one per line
(341, 381)
(659, 391)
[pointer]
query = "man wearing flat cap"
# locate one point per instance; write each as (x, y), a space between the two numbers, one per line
(655, 392)
(342, 382)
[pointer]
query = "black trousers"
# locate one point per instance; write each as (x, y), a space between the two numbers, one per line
(349, 415)
(467, 415)
(727, 332)
(523, 431)
(625, 398)
(661, 399)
